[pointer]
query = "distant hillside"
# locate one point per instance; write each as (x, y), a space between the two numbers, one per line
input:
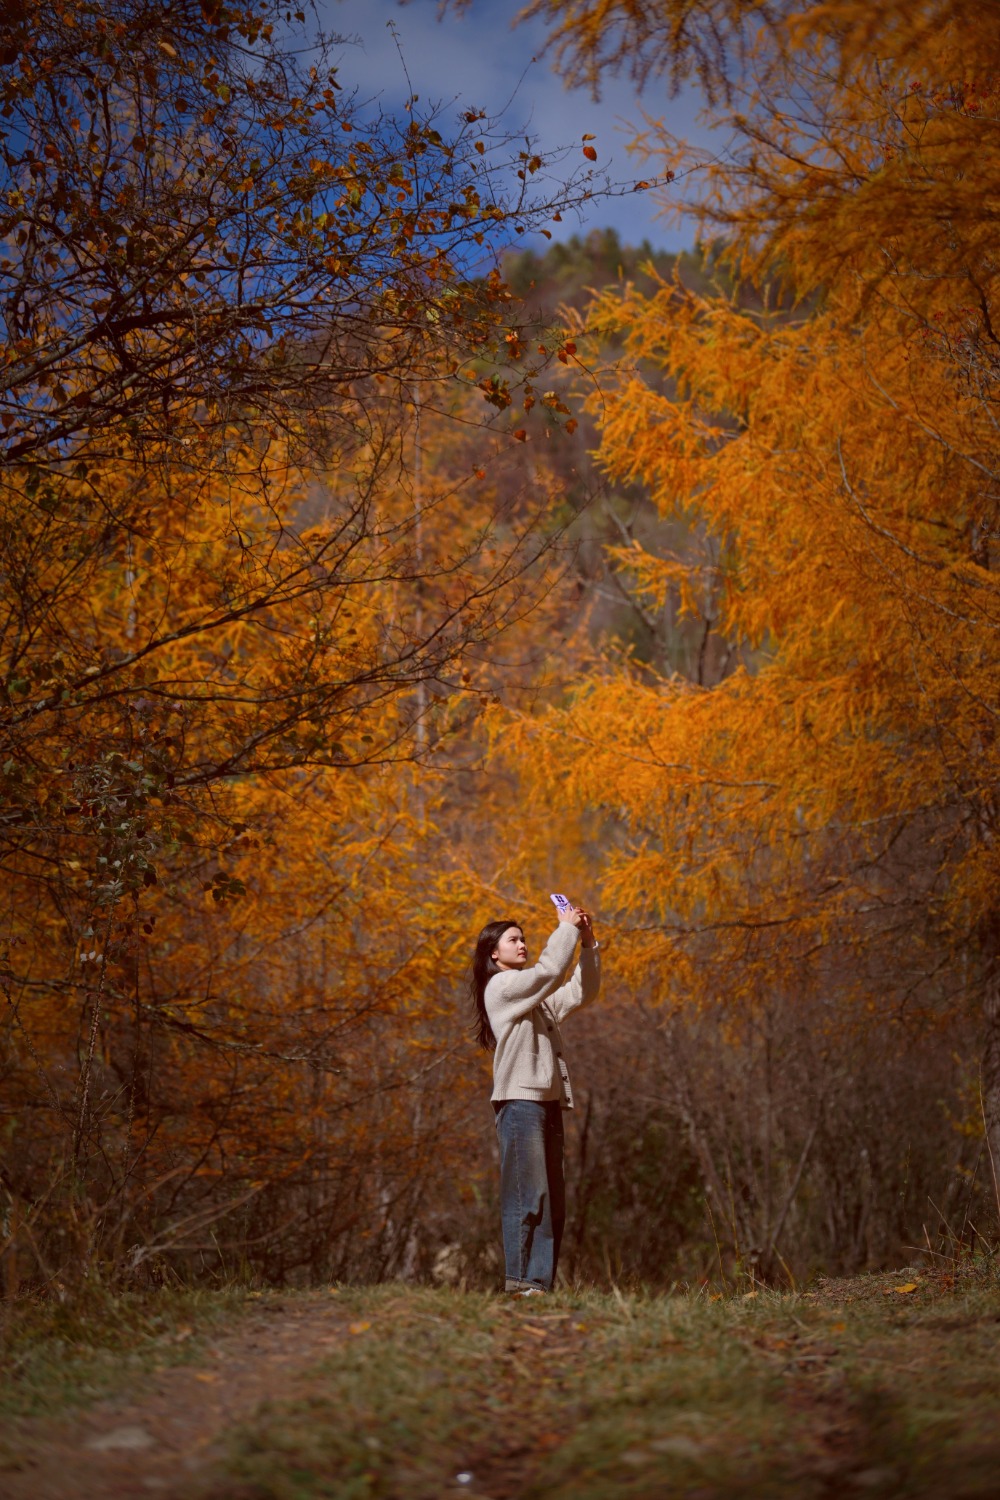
(567, 273)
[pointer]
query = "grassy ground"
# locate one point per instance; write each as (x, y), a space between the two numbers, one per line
(861, 1388)
(884, 1386)
(57, 1355)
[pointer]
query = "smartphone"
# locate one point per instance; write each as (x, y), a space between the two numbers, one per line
(562, 903)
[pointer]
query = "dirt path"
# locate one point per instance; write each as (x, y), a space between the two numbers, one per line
(163, 1441)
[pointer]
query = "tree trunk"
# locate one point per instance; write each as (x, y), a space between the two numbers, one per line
(990, 942)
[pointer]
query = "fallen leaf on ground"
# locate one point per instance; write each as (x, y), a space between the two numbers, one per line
(359, 1327)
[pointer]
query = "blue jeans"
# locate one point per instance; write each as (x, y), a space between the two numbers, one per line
(532, 1190)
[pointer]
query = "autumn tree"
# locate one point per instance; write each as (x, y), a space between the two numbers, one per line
(205, 228)
(223, 282)
(232, 302)
(811, 822)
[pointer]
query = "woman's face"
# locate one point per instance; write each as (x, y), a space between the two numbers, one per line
(511, 952)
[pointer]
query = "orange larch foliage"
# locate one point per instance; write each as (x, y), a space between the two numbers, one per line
(231, 926)
(244, 602)
(820, 818)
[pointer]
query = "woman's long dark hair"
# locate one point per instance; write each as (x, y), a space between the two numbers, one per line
(484, 966)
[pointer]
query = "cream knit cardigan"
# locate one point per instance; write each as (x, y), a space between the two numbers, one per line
(525, 1007)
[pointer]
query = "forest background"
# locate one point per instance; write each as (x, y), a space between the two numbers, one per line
(365, 578)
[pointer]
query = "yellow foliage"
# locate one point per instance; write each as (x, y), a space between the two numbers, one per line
(827, 808)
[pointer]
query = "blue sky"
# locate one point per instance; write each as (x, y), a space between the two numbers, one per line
(479, 59)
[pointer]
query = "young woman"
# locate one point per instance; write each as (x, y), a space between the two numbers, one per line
(518, 1011)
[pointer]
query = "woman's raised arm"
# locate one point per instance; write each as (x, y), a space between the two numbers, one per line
(514, 992)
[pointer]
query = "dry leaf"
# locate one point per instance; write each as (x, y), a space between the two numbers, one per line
(359, 1327)
(911, 1286)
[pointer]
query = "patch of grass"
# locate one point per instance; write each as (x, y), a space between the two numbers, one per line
(58, 1354)
(383, 1408)
(869, 1392)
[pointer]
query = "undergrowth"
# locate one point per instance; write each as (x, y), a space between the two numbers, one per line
(96, 1341)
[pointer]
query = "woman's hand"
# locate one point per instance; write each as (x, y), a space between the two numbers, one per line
(580, 919)
(587, 937)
